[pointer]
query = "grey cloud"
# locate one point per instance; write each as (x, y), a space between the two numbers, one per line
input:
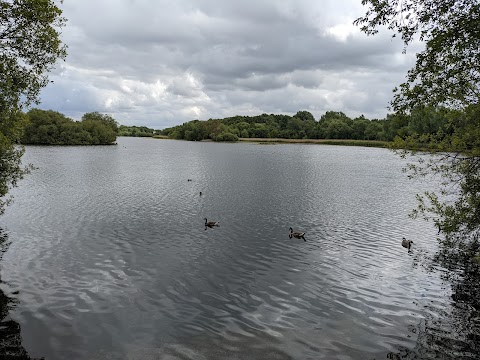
(161, 63)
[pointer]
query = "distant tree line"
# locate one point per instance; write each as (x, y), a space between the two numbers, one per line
(331, 125)
(48, 127)
(135, 131)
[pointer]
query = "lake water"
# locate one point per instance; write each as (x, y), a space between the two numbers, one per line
(110, 259)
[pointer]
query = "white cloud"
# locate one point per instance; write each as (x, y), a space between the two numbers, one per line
(342, 32)
(161, 63)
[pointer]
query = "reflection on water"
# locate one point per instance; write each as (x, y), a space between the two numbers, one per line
(10, 337)
(110, 258)
(466, 313)
(448, 332)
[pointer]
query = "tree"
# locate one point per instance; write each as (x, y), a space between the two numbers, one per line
(338, 129)
(47, 127)
(103, 127)
(427, 120)
(105, 119)
(135, 131)
(358, 128)
(373, 131)
(329, 115)
(29, 47)
(446, 74)
(304, 115)
(44, 127)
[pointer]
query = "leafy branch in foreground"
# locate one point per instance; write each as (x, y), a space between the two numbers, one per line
(452, 155)
(447, 71)
(29, 47)
(446, 74)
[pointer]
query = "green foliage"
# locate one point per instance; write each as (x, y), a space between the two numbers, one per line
(337, 129)
(104, 119)
(359, 126)
(304, 115)
(332, 125)
(331, 115)
(226, 136)
(135, 131)
(103, 127)
(446, 71)
(373, 131)
(456, 161)
(29, 47)
(11, 170)
(47, 127)
(441, 101)
(244, 133)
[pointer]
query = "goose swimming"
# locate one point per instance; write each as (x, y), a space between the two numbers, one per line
(211, 223)
(297, 234)
(407, 243)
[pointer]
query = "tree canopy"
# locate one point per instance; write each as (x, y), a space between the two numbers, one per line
(447, 74)
(29, 47)
(48, 127)
(447, 71)
(331, 125)
(136, 131)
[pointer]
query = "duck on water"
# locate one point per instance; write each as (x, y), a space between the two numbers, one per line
(296, 234)
(211, 224)
(407, 243)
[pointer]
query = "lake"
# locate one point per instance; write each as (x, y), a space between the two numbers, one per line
(109, 257)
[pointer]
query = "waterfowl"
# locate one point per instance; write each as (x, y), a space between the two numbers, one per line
(407, 243)
(297, 234)
(211, 223)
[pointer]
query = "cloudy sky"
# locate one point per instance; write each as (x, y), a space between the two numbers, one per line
(159, 63)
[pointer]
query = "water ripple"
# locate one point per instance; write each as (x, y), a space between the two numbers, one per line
(110, 258)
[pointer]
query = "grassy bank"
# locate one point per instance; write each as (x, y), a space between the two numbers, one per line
(273, 141)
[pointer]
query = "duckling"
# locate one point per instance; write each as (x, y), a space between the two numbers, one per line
(211, 223)
(297, 234)
(407, 243)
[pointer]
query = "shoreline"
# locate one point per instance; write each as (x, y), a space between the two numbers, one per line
(273, 141)
(346, 142)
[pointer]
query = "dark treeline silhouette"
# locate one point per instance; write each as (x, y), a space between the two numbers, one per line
(331, 125)
(47, 127)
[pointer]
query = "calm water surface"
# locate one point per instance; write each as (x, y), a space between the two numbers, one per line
(109, 258)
